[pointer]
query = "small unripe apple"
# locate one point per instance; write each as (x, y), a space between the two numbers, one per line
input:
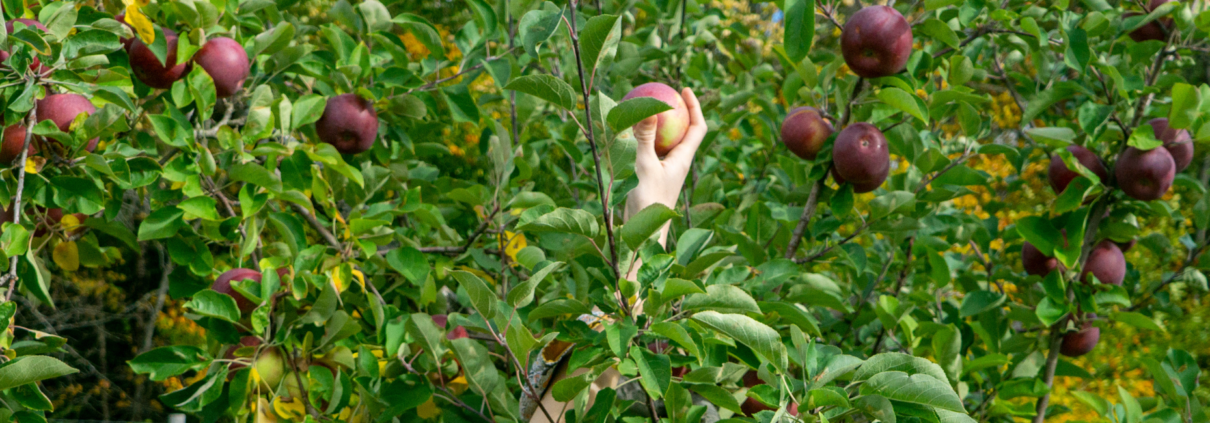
(876, 42)
(672, 124)
(860, 156)
(271, 367)
(62, 109)
(805, 131)
(226, 61)
(349, 123)
(1106, 262)
(1060, 176)
(1177, 141)
(1145, 175)
(150, 70)
(1076, 344)
(223, 285)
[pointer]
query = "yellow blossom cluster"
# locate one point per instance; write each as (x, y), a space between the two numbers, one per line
(1005, 112)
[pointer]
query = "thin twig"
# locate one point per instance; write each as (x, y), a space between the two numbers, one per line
(319, 227)
(30, 121)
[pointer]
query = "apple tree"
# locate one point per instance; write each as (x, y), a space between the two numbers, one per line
(403, 211)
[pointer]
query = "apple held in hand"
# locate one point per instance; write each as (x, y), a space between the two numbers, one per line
(805, 131)
(876, 42)
(672, 124)
(349, 123)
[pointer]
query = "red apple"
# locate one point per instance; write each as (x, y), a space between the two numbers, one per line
(223, 285)
(1060, 176)
(1145, 175)
(10, 149)
(62, 109)
(1036, 263)
(150, 70)
(1177, 141)
(860, 157)
(349, 123)
(672, 124)
(804, 132)
(226, 61)
(1106, 262)
(876, 42)
(1076, 344)
(1155, 30)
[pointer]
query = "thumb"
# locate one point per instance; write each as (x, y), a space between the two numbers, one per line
(644, 133)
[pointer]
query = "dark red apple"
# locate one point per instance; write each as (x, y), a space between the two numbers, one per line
(349, 123)
(876, 42)
(226, 61)
(751, 406)
(672, 124)
(63, 109)
(1106, 262)
(10, 149)
(223, 285)
(1177, 141)
(1155, 30)
(1036, 263)
(804, 132)
(860, 157)
(1145, 175)
(150, 70)
(1076, 344)
(1060, 176)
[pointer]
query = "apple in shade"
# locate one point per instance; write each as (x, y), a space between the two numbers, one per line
(805, 131)
(751, 406)
(1060, 176)
(860, 157)
(9, 28)
(876, 42)
(1078, 343)
(672, 124)
(62, 109)
(270, 366)
(226, 61)
(662, 347)
(126, 41)
(1037, 263)
(1106, 262)
(456, 333)
(223, 285)
(150, 70)
(349, 123)
(10, 148)
(1177, 141)
(1154, 30)
(1145, 175)
(247, 341)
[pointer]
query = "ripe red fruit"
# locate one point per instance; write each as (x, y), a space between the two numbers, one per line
(10, 149)
(349, 123)
(223, 285)
(672, 124)
(150, 70)
(9, 28)
(804, 132)
(860, 157)
(1060, 176)
(1106, 262)
(1076, 344)
(751, 406)
(1145, 175)
(226, 61)
(1036, 263)
(63, 109)
(1154, 30)
(876, 42)
(1177, 141)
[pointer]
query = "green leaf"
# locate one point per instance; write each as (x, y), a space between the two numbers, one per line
(482, 297)
(599, 41)
(14, 240)
(523, 294)
(1186, 102)
(643, 224)
(800, 28)
(940, 31)
(947, 349)
(546, 87)
(165, 362)
(572, 221)
(214, 304)
(977, 302)
(31, 369)
(716, 395)
(1143, 138)
(477, 365)
(756, 335)
(423, 329)
(1137, 320)
(677, 334)
(891, 203)
(655, 370)
(876, 406)
(559, 307)
(901, 100)
(898, 362)
(915, 389)
(723, 299)
(1050, 311)
(203, 207)
(539, 25)
(630, 112)
(1039, 232)
(793, 314)
(409, 262)
(1057, 137)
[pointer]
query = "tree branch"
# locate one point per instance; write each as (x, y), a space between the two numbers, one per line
(11, 278)
(319, 227)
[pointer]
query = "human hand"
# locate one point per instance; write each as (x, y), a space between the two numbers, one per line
(660, 181)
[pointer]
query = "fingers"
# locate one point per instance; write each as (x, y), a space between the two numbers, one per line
(681, 156)
(646, 160)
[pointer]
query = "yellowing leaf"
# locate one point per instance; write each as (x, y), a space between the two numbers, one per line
(264, 413)
(69, 222)
(33, 165)
(481, 274)
(291, 409)
(458, 385)
(481, 212)
(136, 19)
(515, 243)
(67, 256)
(361, 278)
(428, 410)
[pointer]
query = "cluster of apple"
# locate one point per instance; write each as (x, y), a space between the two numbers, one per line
(1141, 174)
